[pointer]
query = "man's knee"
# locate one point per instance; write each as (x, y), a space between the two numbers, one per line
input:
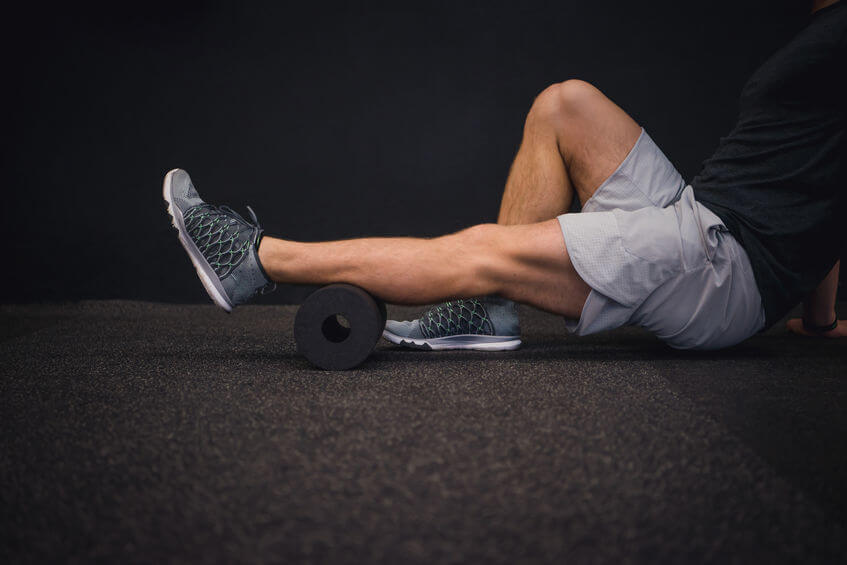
(565, 100)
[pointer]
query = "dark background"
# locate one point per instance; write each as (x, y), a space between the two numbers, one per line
(331, 121)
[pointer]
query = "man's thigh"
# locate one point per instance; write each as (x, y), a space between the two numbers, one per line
(595, 135)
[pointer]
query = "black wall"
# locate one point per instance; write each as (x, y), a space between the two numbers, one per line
(335, 121)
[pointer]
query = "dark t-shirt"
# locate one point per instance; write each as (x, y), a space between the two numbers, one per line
(779, 179)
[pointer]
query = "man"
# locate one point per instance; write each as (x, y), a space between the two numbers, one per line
(704, 265)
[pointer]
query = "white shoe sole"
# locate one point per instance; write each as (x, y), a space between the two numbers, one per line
(200, 264)
(466, 341)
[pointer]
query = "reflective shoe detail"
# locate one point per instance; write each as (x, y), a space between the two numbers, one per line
(486, 324)
(221, 244)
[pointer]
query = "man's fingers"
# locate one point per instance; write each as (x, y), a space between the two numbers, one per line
(795, 325)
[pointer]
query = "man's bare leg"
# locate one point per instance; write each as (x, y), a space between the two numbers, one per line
(527, 263)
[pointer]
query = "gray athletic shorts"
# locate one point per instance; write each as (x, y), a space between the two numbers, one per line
(654, 257)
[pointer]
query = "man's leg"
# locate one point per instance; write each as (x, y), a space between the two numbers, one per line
(525, 263)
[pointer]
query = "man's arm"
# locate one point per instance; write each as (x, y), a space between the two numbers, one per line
(819, 310)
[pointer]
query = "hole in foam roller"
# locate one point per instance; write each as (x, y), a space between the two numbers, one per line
(336, 328)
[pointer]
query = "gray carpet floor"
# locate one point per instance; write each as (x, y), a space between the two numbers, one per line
(138, 432)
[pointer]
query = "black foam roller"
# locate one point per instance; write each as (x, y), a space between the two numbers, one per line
(383, 311)
(324, 341)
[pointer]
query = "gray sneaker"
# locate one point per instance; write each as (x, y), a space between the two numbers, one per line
(485, 324)
(221, 244)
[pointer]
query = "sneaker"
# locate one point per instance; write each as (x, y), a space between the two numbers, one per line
(221, 244)
(485, 324)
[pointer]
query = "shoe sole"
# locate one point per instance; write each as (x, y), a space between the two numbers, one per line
(204, 270)
(467, 341)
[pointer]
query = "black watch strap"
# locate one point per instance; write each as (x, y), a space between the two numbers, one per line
(820, 329)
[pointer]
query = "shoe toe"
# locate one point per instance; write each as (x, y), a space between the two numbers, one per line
(404, 329)
(183, 189)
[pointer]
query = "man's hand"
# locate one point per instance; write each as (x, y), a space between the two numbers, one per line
(795, 325)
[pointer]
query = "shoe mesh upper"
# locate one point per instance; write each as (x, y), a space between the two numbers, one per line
(457, 317)
(221, 235)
